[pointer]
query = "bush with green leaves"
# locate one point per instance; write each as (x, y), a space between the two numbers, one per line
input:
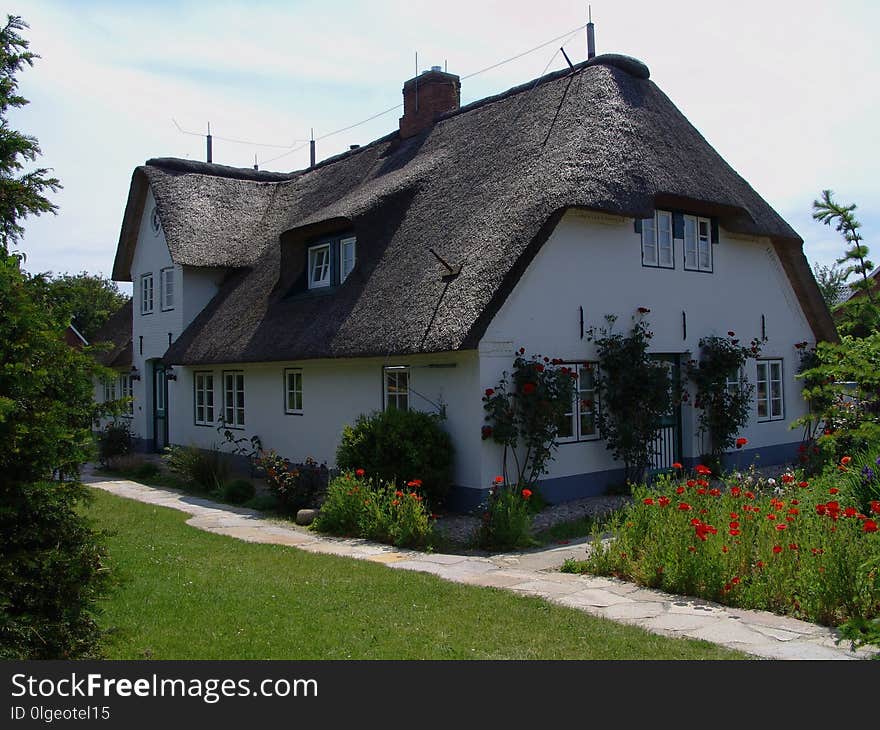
(238, 491)
(295, 486)
(400, 446)
(359, 507)
(114, 441)
(506, 521)
(205, 468)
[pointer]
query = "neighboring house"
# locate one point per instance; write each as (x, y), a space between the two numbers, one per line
(115, 340)
(406, 273)
(850, 294)
(74, 338)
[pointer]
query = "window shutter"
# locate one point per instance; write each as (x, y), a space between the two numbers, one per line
(678, 225)
(638, 225)
(714, 226)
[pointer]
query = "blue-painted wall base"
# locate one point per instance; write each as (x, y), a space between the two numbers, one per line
(594, 484)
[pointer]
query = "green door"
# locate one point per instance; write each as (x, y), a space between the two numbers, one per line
(666, 446)
(160, 407)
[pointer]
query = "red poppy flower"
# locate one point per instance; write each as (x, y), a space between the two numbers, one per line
(821, 509)
(715, 492)
(526, 493)
(643, 310)
(875, 507)
(663, 501)
(700, 469)
(359, 472)
(734, 516)
(794, 511)
(794, 501)
(850, 512)
(816, 551)
(648, 501)
(833, 490)
(777, 549)
(398, 493)
(692, 549)
(781, 526)
(735, 580)
(395, 502)
(679, 490)
(803, 485)
(691, 483)
(677, 465)
(771, 517)
(416, 483)
(701, 490)
(787, 478)
(499, 480)
(845, 460)
(760, 564)
(793, 546)
(740, 442)
(733, 532)
(869, 526)
(734, 525)
(750, 495)
(684, 507)
(736, 491)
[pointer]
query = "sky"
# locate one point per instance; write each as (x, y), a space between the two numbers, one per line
(788, 92)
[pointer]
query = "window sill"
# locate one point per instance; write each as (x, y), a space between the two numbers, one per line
(294, 413)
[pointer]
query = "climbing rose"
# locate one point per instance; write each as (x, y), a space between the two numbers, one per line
(643, 310)
(740, 442)
(499, 480)
(490, 392)
(528, 388)
(731, 333)
(486, 432)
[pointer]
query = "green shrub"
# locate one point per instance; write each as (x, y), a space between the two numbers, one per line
(263, 503)
(114, 441)
(400, 446)
(295, 486)
(356, 507)
(507, 517)
(146, 470)
(804, 548)
(205, 468)
(238, 491)
(52, 573)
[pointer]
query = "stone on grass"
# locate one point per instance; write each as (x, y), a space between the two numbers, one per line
(306, 516)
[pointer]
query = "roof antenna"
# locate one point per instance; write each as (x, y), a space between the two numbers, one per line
(256, 166)
(591, 34)
(417, 80)
(209, 139)
(567, 59)
(312, 149)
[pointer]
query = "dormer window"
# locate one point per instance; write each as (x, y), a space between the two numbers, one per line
(331, 261)
(319, 266)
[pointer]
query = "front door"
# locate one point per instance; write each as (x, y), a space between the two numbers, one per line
(160, 407)
(666, 446)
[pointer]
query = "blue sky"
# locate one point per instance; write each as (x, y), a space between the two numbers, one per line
(787, 92)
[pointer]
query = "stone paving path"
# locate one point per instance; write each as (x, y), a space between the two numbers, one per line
(533, 573)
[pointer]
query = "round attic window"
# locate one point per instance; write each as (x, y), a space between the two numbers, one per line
(155, 223)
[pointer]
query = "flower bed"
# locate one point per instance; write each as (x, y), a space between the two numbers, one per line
(792, 546)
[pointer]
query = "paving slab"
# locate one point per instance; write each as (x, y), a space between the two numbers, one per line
(533, 573)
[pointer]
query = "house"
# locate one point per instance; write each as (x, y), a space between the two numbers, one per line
(406, 273)
(74, 338)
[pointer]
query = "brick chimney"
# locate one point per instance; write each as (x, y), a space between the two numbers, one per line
(426, 97)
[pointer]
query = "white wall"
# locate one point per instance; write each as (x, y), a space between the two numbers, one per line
(335, 393)
(594, 261)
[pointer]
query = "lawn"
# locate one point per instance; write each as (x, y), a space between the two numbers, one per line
(187, 594)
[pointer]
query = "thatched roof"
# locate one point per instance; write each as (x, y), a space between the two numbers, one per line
(116, 333)
(483, 187)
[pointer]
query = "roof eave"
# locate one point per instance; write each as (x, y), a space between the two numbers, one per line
(131, 223)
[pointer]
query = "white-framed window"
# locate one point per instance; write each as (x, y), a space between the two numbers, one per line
(166, 288)
(347, 257)
(203, 398)
(293, 391)
(233, 398)
(769, 391)
(147, 293)
(126, 390)
(319, 266)
(579, 422)
(733, 383)
(658, 248)
(109, 390)
(697, 243)
(396, 387)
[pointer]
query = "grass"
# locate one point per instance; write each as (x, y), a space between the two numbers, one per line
(187, 594)
(564, 531)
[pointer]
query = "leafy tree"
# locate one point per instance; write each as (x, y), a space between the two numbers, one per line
(91, 300)
(832, 283)
(862, 316)
(51, 561)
